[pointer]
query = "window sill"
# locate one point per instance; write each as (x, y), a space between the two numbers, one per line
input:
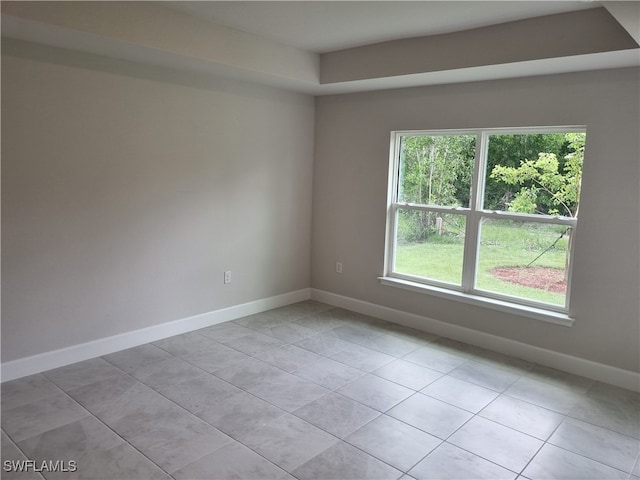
(548, 316)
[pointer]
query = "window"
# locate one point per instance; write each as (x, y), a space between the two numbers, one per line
(489, 214)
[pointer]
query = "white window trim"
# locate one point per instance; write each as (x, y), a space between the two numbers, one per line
(465, 293)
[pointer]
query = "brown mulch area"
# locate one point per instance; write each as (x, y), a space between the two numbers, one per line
(544, 278)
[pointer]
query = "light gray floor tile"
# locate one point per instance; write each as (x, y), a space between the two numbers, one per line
(215, 358)
(461, 394)
(167, 372)
(435, 359)
(613, 449)
(452, 346)
(336, 414)
(554, 463)
(288, 332)
(615, 394)
(323, 321)
(354, 318)
(289, 441)
(407, 374)
(392, 345)
(16, 393)
(100, 395)
(37, 417)
(233, 461)
(523, 416)
(224, 332)
(133, 359)
(288, 392)
(286, 314)
(201, 393)
(500, 360)
(185, 344)
(357, 334)
(602, 426)
(71, 441)
(496, 443)
(137, 411)
(411, 334)
(185, 439)
(430, 415)
(15, 459)
(82, 373)
(394, 442)
(288, 357)
(342, 461)
(303, 309)
(240, 414)
(452, 463)
(261, 320)
(348, 317)
(121, 462)
(254, 343)
(553, 397)
(376, 392)
(329, 373)
(560, 378)
(611, 408)
(249, 373)
(324, 344)
(374, 323)
(485, 375)
(362, 358)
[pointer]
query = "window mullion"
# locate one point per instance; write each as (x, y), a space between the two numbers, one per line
(472, 234)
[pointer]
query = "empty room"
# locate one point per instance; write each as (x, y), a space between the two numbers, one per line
(324, 240)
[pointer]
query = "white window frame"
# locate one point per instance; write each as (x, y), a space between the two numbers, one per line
(466, 292)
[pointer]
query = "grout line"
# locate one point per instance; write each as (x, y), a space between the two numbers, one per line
(20, 450)
(91, 414)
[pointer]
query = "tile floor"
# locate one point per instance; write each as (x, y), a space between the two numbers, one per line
(309, 391)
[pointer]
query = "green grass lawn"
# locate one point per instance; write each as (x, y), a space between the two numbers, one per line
(503, 244)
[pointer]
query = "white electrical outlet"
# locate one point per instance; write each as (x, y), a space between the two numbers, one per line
(227, 276)
(338, 267)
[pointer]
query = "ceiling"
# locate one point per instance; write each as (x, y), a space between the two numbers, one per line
(321, 26)
(331, 47)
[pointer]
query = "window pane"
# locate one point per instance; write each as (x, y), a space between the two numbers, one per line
(430, 245)
(524, 259)
(436, 169)
(534, 173)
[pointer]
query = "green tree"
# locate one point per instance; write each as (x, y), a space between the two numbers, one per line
(546, 184)
(508, 150)
(435, 170)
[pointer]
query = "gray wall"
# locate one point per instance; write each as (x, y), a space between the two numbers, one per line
(126, 191)
(350, 191)
(126, 196)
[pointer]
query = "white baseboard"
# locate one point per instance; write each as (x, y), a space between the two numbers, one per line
(76, 353)
(103, 346)
(561, 361)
